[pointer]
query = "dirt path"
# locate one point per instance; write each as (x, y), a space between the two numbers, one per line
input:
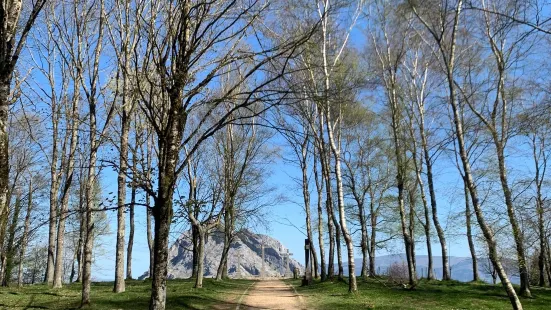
(270, 294)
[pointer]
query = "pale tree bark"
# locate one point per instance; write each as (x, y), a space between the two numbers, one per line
(319, 189)
(90, 87)
(68, 180)
(448, 59)
(123, 42)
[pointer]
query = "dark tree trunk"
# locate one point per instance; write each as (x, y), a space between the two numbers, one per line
(10, 246)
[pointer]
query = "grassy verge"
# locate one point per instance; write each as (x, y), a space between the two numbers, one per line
(180, 295)
(376, 294)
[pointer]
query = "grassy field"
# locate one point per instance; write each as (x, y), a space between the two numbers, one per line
(376, 294)
(180, 295)
(373, 294)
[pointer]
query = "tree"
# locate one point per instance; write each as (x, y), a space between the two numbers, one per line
(182, 66)
(13, 39)
(444, 35)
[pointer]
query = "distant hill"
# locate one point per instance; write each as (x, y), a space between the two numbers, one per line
(247, 244)
(461, 267)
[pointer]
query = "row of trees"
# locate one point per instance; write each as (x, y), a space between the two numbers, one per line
(182, 100)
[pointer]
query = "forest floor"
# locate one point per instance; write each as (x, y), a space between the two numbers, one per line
(378, 294)
(180, 295)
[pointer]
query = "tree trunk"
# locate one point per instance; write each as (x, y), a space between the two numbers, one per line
(364, 243)
(372, 244)
(82, 223)
(195, 258)
(88, 222)
(226, 247)
(432, 194)
(319, 188)
(412, 231)
(340, 268)
(121, 199)
(517, 233)
(200, 258)
(64, 212)
(131, 232)
(329, 209)
(169, 148)
(426, 225)
(306, 196)
(4, 163)
(25, 237)
(486, 230)
(52, 222)
(352, 286)
(150, 244)
(163, 216)
(10, 246)
(470, 234)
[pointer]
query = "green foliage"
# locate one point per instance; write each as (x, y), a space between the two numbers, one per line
(377, 294)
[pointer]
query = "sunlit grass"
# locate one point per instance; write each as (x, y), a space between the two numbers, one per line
(377, 294)
(180, 295)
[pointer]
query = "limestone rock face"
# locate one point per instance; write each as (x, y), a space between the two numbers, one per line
(244, 259)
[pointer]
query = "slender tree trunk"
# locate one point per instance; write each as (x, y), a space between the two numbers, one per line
(372, 244)
(548, 260)
(131, 232)
(4, 163)
(517, 233)
(470, 234)
(432, 193)
(418, 169)
(325, 173)
(195, 258)
(319, 188)
(306, 196)
(430, 272)
(150, 244)
(52, 222)
(121, 199)
(364, 243)
(486, 230)
(64, 212)
(88, 222)
(400, 178)
(412, 230)
(352, 286)
(25, 237)
(541, 235)
(82, 224)
(228, 230)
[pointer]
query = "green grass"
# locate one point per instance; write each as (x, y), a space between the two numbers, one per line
(180, 295)
(376, 294)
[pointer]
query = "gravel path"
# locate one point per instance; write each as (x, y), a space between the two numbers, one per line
(270, 294)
